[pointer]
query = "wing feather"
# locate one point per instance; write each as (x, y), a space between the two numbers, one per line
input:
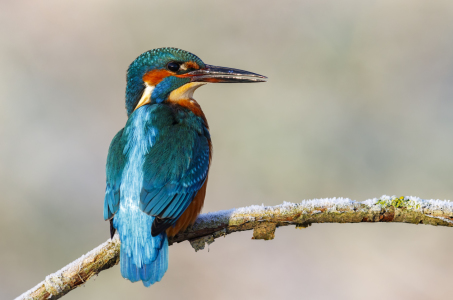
(114, 168)
(174, 170)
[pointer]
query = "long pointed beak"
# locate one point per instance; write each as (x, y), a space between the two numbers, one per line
(224, 75)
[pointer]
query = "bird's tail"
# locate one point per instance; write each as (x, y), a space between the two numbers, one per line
(147, 262)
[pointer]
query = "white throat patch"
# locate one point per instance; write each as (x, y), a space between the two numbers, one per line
(185, 92)
(146, 96)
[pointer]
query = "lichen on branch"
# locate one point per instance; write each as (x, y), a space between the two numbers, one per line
(263, 220)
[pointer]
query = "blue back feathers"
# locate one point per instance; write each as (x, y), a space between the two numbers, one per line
(155, 167)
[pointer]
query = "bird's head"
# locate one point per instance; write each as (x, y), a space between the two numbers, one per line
(171, 74)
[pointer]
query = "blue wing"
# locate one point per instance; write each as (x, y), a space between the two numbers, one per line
(175, 169)
(115, 164)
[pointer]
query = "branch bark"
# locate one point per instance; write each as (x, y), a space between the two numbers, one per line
(263, 220)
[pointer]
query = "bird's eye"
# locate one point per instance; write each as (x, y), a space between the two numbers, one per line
(173, 66)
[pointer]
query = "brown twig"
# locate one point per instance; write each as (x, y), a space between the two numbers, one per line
(263, 220)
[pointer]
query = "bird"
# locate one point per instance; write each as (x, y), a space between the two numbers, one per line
(157, 165)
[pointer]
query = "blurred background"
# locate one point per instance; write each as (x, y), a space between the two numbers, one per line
(358, 104)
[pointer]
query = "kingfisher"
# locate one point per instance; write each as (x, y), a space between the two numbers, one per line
(157, 165)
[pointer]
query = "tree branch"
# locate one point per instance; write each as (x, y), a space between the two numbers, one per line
(263, 220)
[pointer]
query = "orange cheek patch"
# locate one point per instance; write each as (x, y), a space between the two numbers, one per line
(192, 65)
(153, 77)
